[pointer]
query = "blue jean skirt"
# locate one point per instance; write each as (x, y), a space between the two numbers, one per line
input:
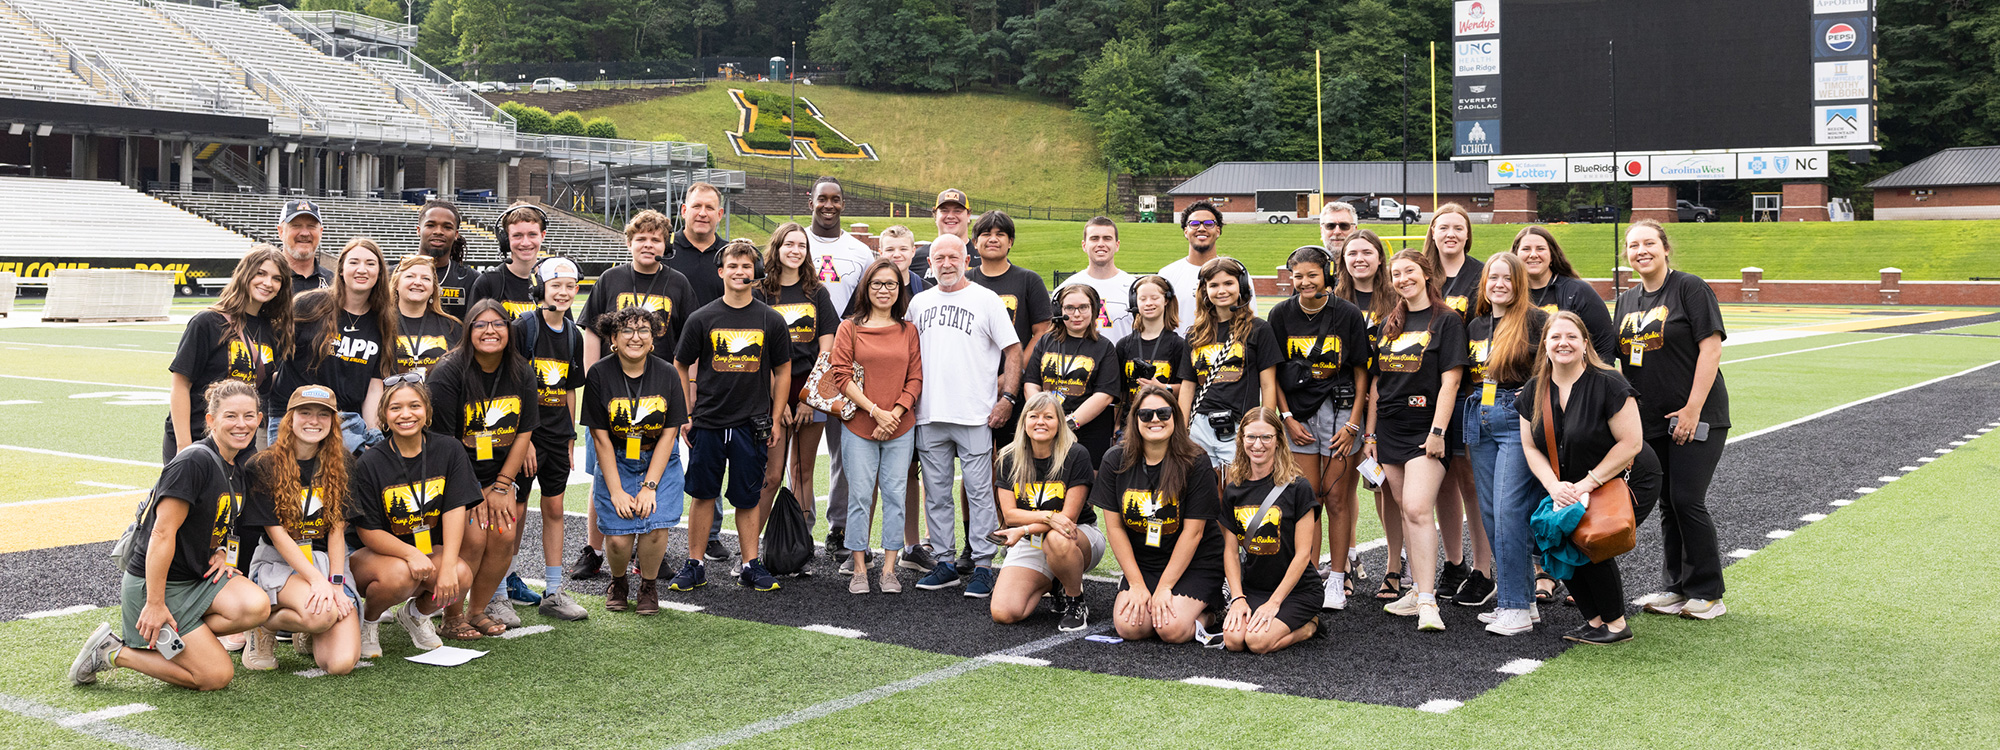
(631, 471)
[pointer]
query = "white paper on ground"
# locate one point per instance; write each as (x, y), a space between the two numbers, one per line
(446, 656)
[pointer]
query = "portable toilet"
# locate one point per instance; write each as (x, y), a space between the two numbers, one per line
(778, 68)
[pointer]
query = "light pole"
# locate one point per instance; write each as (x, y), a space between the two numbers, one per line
(792, 135)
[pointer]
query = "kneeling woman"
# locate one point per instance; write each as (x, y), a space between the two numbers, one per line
(1160, 486)
(1268, 552)
(298, 495)
(634, 406)
(1043, 481)
(181, 590)
(411, 494)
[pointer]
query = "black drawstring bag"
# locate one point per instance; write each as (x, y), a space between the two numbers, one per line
(788, 542)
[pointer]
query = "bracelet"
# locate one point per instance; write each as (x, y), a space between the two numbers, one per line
(1284, 415)
(1437, 431)
(1352, 427)
(1233, 602)
(1011, 398)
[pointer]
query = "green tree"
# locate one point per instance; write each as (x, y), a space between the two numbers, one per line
(901, 44)
(567, 123)
(437, 40)
(387, 10)
(599, 127)
(1057, 43)
(1120, 98)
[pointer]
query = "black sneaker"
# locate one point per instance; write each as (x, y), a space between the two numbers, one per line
(715, 552)
(691, 577)
(1076, 614)
(1451, 578)
(1605, 636)
(754, 576)
(964, 561)
(588, 564)
(918, 558)
(836, 543)
(1476, 592)
(1582, 633)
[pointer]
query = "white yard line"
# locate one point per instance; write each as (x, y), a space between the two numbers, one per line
(95, 348)
(63, 454)
(88, 382)
(1816, 348)
(1733, 439)
(101, 730)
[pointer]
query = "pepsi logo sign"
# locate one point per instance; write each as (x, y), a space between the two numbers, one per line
(1841, 37)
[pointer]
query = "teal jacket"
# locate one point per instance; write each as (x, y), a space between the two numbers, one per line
(1552, 527)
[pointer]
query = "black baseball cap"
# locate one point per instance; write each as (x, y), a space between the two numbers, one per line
(298, 207)
(952, 195)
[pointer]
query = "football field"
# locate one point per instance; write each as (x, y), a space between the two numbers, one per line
(1855, 504)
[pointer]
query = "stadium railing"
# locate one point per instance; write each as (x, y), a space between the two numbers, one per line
(919, 202)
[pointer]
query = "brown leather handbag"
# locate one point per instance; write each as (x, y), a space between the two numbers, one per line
(1608, 528)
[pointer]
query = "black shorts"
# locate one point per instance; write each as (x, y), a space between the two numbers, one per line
(736, 449)
(552, 463)
(1400, 432)
(1299, 607)
(1201, 584)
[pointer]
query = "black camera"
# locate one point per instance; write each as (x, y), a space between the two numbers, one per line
(1223, 424)
(1343, 394)
(760, 428)
(1142, 370)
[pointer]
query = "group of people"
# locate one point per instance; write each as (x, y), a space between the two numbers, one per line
(347, 446)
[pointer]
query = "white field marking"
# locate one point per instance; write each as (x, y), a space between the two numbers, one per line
(1103, 579)
(1928, 459)
(1217, 682)
(105, 485)
(1866, 490)
(1972, 437)
(1519, 666)
(88, 382)
(107, 732)
(835, 630)
(681, 606)
(1733, 439)
(1813, 517)
(1026, 661)
(120, 349)
(18, 402)
(1439, 705)
(47, 500)
(1814, 349)
(1887, 479)
(317, 672)
(1955, 443)
(58, 612)
(1942, 451)
(62, 454)
(1367, 546)
(127, 398)
(1742, 553)
(103, 714)
(1779, 533)
(817, 710)
(1907, 469)
(527, 631)
(1983, 430)
(535, 582)
(1841, 503)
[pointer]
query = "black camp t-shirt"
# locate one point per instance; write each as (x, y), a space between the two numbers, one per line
(733, 350)
(422, 342)
(1332, 342)
(209, 353)
(1047, 491)
(1227, 374)
(1024, 294)
(406, 496)
(355, 360)
(455, 288)
(666, 292)
(1168, 354)
(1578, 296)
(484, 411)
(1274, 542)
(1412, 366)
(1075, 368)
(260, 509)
(515, 293)
(1131, 498)
(1670, 324)
(807, 320)
(1479, 349)
(319, 279)
(1365, 302)
(644, 407)
(215, 505)
(557, 361)
(1583, 425)
(698, 266)
(1459, 290)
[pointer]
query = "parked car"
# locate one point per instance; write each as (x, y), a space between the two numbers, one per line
(1592, 214)
(502, 86)
(1691, 212)
(1382, 209)
(544, 85)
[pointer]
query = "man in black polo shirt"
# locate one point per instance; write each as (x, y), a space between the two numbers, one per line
(438, 239)
(693, 254)
(299, 228)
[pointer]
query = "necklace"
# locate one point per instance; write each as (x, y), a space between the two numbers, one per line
(1313, 311)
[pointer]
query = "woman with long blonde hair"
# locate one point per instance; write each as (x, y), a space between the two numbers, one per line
(1043, 481)
(424, 331)
(1268, 558)
(1503, 336)
(299, 496)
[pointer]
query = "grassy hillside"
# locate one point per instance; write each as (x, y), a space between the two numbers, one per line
(1002, 147)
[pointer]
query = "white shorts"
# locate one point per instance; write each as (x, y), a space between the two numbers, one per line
(1220, 452)
(1322, 426)
(269, 571)
(1024, 554)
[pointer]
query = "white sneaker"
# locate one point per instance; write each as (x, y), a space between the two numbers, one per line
(233, 642)
(1336, 596)
(502, 611)
(1703, 609)
(1510, 622)
(259, 650)
(1428, 619)
(95, 658)
(1403, 607)
(1663, 603)
(302, 644)
(1534, 614)
(423, 634)
(371, 640)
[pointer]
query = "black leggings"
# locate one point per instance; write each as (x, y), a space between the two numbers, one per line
(1599, 592)
(1688, 551)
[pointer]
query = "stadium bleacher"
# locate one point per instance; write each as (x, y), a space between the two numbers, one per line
(393, 225)
(337, 89)
(37, 66)
(176, 70)
(97, 219)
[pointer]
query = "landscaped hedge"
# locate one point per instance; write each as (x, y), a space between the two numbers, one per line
(771, 132)
(529, 119)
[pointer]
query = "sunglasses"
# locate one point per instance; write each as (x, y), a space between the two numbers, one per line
(1161, 414)
(1203, 223)
(413, 377)
(1338, 225)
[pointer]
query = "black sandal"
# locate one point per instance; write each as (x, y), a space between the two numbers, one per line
(1544, 597)
(1392, 587)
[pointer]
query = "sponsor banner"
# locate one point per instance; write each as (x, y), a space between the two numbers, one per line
(1524, 171)
(1694, 167)
(1842, 125)
(1635, 168)
(1475, 137)
(1840, 79)
(1781, 165)
(1477, 57)
(39, 267)
(1839, 6)
(1476, 98)
(1845, 36)
(1592, 169)
(1477, 17)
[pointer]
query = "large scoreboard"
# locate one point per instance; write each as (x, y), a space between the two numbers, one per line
(1600, 90)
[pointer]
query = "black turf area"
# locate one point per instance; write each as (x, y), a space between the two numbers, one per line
(1764, 483)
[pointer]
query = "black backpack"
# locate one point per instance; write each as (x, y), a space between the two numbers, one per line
(124, 545)
(788, 542)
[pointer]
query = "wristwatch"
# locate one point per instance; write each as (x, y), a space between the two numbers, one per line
(336, 579)
(1437, 431)
(1011, 398)
(649, 485)
(1284, 415)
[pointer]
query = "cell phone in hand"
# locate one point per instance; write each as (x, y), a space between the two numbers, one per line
(997, 537)
(1700, 428)
(168, 642)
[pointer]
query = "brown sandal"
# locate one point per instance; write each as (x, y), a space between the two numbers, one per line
(457, 629)
(486, 625)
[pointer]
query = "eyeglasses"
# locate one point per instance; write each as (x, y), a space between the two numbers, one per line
(413, 377)
(1341, 226)
(1084, 309)
(1161, 414)
(1203, 223)
(884, 286)
(485, 324)
(631, 331)
(1249, 438)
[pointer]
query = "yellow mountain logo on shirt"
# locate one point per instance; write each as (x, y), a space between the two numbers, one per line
(1143, 507)
(1040, 495)
(628, 420)
(1263, 537)
(1222, 363)
(491, 414)
(798, 319)
(1406, 353)
(651, 302)
(242, 365)
(1646, 327)
(733, 349)
(410, 505)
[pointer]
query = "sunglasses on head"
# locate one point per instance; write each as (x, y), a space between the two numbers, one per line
(1159, 414)
(412, 377)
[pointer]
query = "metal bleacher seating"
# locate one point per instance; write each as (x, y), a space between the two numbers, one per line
(173, 69)
(393, 224)
(37, 67)
(92, 219)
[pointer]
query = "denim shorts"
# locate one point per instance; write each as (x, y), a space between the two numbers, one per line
(735, 449)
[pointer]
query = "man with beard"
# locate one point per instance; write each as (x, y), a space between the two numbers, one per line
(299, 228)
(1336, 224)
(438, 238)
